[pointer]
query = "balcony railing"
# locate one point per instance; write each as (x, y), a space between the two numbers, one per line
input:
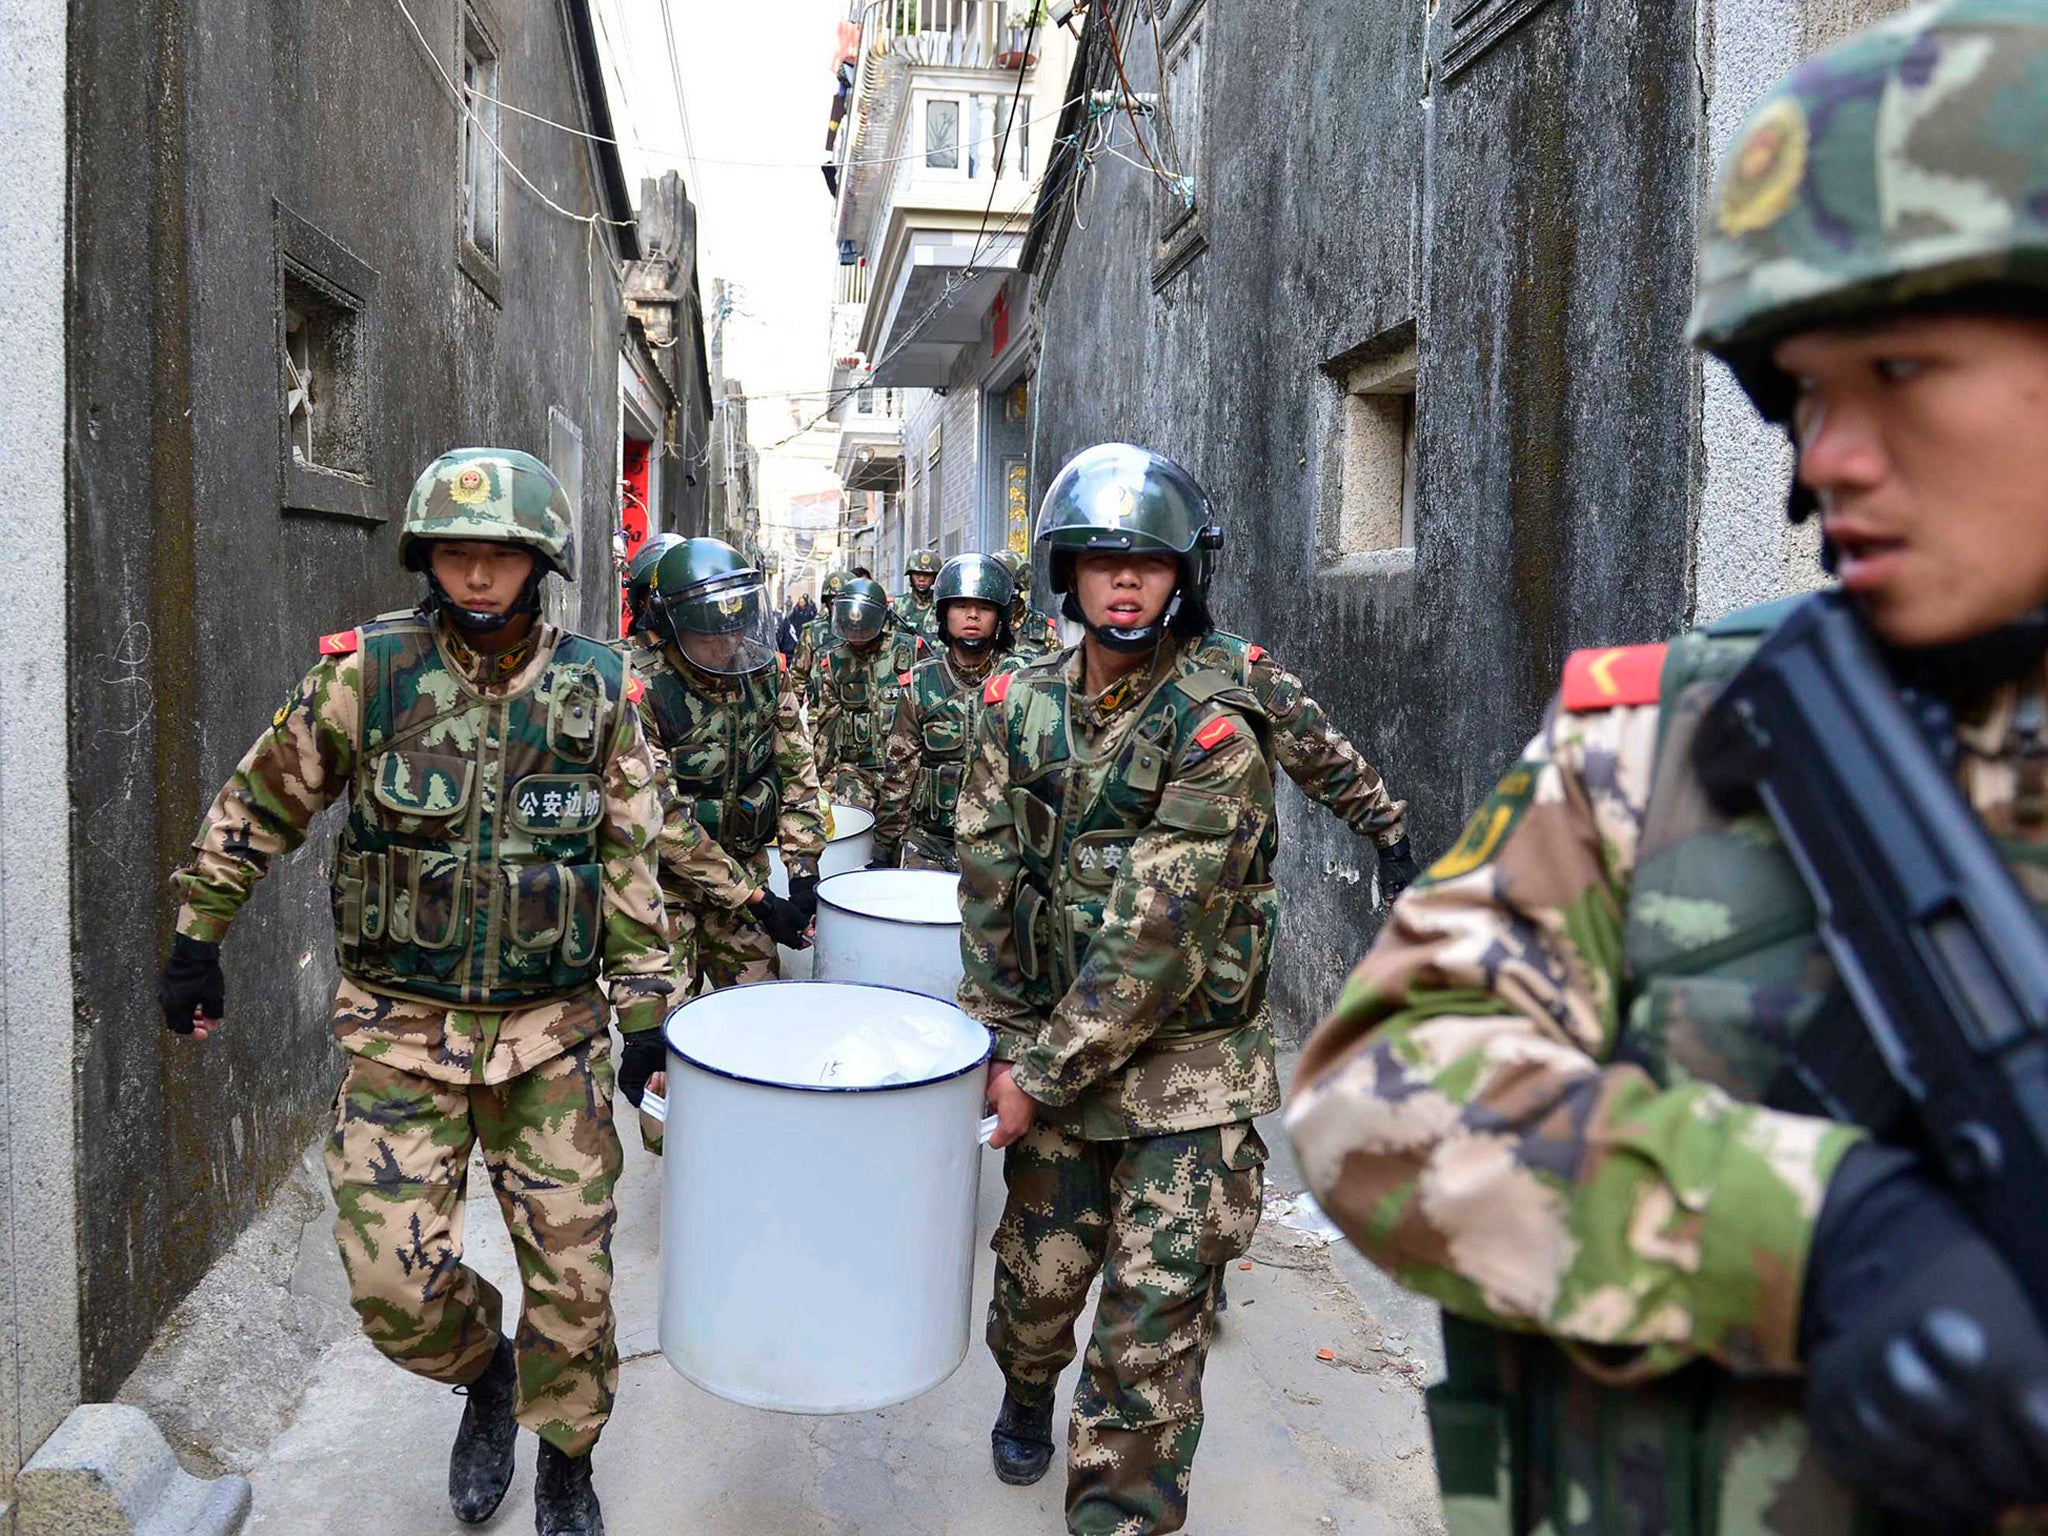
(955, 34)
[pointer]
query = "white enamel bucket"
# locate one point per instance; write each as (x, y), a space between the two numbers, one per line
(817, 1224)
(851, 847)
(891, 927)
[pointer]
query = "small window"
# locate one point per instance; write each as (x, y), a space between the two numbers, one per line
(326, 374)
(864, 402)
(1374, 510)
(942, 135)
(1177, 132)
(482, 89)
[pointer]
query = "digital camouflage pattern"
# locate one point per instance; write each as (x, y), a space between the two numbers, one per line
(398, 1158)
(312, 755)
(1320, 759)
(1536, 1103)
(1117, 905)
(728, 948)
(1908, 161)
(1036, 636)
(497, 494)
(926, 758)
(1155, 1216)
(857, 689)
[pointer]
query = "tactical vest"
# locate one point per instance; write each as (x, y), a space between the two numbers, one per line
(945, 714)
(1722, 969)
(1077, 819)
(468, 870)
(864, 686)
(721, 750)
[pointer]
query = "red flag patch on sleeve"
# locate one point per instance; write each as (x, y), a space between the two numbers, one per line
(635, 690)
(998, 688)
(343, 642)
(1617, 675)
(1215, 733)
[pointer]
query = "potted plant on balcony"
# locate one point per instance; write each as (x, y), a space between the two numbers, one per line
(1025, 16)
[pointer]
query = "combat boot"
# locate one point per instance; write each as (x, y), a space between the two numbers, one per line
(564, 1503)
(1022, 1440)
(480, 1464)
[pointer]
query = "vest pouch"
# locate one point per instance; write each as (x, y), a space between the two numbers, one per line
(575, 710)
(756, 812)
(1027, 927)
(376, 896)
(710, 815)
(426, 791)
(937, 795)
(534, 905)
(346, 897)
(582, 915)
(944, 736)
(428, 911)
(1245, 950)
(1038, 824)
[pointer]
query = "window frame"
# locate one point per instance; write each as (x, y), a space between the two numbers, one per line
(314, 260)
(476, 36)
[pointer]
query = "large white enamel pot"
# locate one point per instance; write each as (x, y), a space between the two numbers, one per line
(851, 847)
(817, 1222)
(892, 927)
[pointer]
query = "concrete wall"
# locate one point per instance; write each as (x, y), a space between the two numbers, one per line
(195, 602)
(38, 1211)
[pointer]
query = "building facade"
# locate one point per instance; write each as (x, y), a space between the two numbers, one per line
(1406, 287)
(264, 262)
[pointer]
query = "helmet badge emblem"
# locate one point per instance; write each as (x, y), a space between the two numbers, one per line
(470, 487)
(1117, 504)
(728, 606)
(1768, 165)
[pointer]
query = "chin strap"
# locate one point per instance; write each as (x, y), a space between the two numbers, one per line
(1971, 666)
(1135, 642)
(471, 621)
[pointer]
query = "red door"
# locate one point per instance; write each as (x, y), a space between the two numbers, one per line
(633, 508)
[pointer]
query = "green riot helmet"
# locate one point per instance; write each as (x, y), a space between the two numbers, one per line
(977, 579)
(640, 573)
(1114, 497)
(859, 611)
(1899, 169)
(489, 495)
(711, 605)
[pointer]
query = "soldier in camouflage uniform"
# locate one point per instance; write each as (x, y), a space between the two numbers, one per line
(496, 858)
(934, 723)
(858, 678)
(1035, 634)
(1551, 1096)
(1116, 835)
(738, 761)
(811, 643)
(913, 612)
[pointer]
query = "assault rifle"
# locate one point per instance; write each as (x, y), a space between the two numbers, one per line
(1938, 949)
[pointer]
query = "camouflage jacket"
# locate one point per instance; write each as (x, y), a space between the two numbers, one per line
(926, 755)
(739, 763)
(1034, 635)
(1315, 754)
(857, 692)
(916, 616)
(803, 666)
(1117, 908)
(311, 756)
(1537, 1098)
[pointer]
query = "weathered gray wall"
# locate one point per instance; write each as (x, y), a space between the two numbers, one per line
(195, 604)
(1534, 222)
(38, 1212)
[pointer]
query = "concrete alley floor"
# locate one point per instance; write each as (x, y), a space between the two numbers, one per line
(1292, 1443)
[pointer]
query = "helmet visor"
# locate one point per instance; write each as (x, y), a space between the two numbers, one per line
(858, 620)
(725, 630)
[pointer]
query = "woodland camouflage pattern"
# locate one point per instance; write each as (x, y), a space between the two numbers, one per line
(1320, 759)
(309, 758)
(1910, 160)
(1156, 1216)
(917, 616)
(497, 494)
(1116, 926)
(857, 689)
(1035, 636)
(1534, 1101)
(398, 1158)
(926, 758)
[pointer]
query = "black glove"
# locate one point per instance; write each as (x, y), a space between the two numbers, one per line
(887, 856)
(783, 919)
(191, 979)
(1927, 1369)
(1397, 869)
(803, 895)
(645, 1054)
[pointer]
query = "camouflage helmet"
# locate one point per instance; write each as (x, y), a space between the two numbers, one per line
(834, 585)
(640, 569)
(497, 494)
(977, 578)
(1907, 164)
(1117, 497)
(1014, 563)
(922, 563)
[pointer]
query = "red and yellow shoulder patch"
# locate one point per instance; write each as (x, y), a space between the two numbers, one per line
(636, 690)
(782, 662)
(903, 678)
(343, 642)
(997, 688)
(1257, 653)
(1614, 676)
(1215, 733)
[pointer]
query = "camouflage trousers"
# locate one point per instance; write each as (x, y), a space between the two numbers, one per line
(1156, 1216)
(847, 785)
(398, 1159)
(927, 850)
